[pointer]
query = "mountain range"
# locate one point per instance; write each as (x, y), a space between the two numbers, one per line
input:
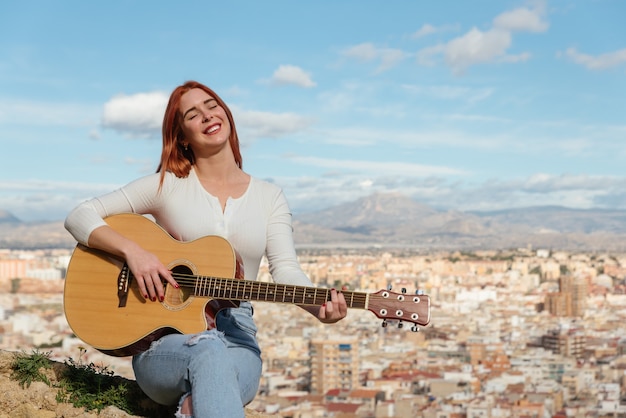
(395, 220)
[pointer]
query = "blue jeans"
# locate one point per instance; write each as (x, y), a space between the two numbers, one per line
(221, 368)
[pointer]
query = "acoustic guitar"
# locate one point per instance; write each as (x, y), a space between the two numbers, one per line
(105, 309)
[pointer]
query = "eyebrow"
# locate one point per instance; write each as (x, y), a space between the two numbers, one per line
(194, 108)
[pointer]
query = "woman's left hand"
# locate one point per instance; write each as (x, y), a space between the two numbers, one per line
(333, 310)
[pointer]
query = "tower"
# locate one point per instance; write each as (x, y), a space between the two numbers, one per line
(334, 364)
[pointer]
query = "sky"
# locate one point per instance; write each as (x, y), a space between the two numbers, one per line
(460, 105)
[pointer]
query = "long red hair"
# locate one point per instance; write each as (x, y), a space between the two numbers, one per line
(174, 157)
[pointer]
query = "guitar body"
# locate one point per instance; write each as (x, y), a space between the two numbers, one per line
(108, 311)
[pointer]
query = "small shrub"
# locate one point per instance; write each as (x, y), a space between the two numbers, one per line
(93, 387)
(88, 386)
(28, 368)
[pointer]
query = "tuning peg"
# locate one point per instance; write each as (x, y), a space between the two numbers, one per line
(384, 324)
(415, 328)
(389, 287)
(419, 292)
(404, 290)
(400, 324)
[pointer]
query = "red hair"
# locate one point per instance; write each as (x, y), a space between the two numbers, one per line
(174, 157)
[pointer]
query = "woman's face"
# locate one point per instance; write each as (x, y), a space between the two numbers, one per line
(204, 121)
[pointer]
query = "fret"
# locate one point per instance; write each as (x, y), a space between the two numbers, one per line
(220, 288)
(215, 287)
(212, 283)
(259, 291)
(197, 288)
(254, 285)
(228, 289)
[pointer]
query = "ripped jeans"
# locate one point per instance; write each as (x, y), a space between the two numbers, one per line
(221, 368)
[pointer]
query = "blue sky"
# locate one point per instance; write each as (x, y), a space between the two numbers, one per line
(479, 105)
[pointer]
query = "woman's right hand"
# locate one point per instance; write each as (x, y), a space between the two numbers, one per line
(148, 270)
(149, 273)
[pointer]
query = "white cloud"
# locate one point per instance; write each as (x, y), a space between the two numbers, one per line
(522, 20)
(35, 200)
(426, 56)
(257, 124)
(428, 29)
(366, 52)
(381, 168)
(598, 62)
(476, 47)
(290, 74)
(138, 115)
(575, 191)
(487, 46)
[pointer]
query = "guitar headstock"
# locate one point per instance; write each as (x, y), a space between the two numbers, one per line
(388, 305)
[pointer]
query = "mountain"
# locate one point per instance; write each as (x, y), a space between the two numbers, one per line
(8, 218)
(563, 219)
(395, 220)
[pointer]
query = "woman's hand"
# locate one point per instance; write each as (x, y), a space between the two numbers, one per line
(149, 273)
(146, 267)
(333, 310)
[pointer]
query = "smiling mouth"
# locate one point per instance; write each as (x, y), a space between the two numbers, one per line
(212, 129)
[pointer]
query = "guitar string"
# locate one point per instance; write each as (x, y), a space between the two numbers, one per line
(299, 292)
(250, 288)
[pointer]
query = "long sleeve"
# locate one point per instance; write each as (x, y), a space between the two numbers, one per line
(89, 215)
(281, 253)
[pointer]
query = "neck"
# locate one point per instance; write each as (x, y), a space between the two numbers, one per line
(217, 170)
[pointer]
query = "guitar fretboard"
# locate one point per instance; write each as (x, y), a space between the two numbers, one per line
(236, 289)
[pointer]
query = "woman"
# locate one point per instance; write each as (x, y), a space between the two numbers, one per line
(200, 189)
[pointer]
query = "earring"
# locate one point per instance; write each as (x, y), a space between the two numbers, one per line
(185, 145)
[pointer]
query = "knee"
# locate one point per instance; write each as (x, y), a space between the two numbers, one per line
(185, 407)
(210, 352)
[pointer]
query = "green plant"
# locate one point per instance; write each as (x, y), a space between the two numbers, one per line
(87, 385)
(92, 386)
(28, 368)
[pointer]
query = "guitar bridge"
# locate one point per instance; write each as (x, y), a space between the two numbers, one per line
(123, 284)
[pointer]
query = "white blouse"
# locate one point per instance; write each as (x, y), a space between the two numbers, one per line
(257, 223)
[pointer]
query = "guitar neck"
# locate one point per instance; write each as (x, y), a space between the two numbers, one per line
(237, 289)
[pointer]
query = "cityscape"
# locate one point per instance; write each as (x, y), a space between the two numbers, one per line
(527, 332)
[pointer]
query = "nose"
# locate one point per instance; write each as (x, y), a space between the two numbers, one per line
(206, 116)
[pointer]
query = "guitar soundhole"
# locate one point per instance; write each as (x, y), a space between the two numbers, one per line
(177, 298)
